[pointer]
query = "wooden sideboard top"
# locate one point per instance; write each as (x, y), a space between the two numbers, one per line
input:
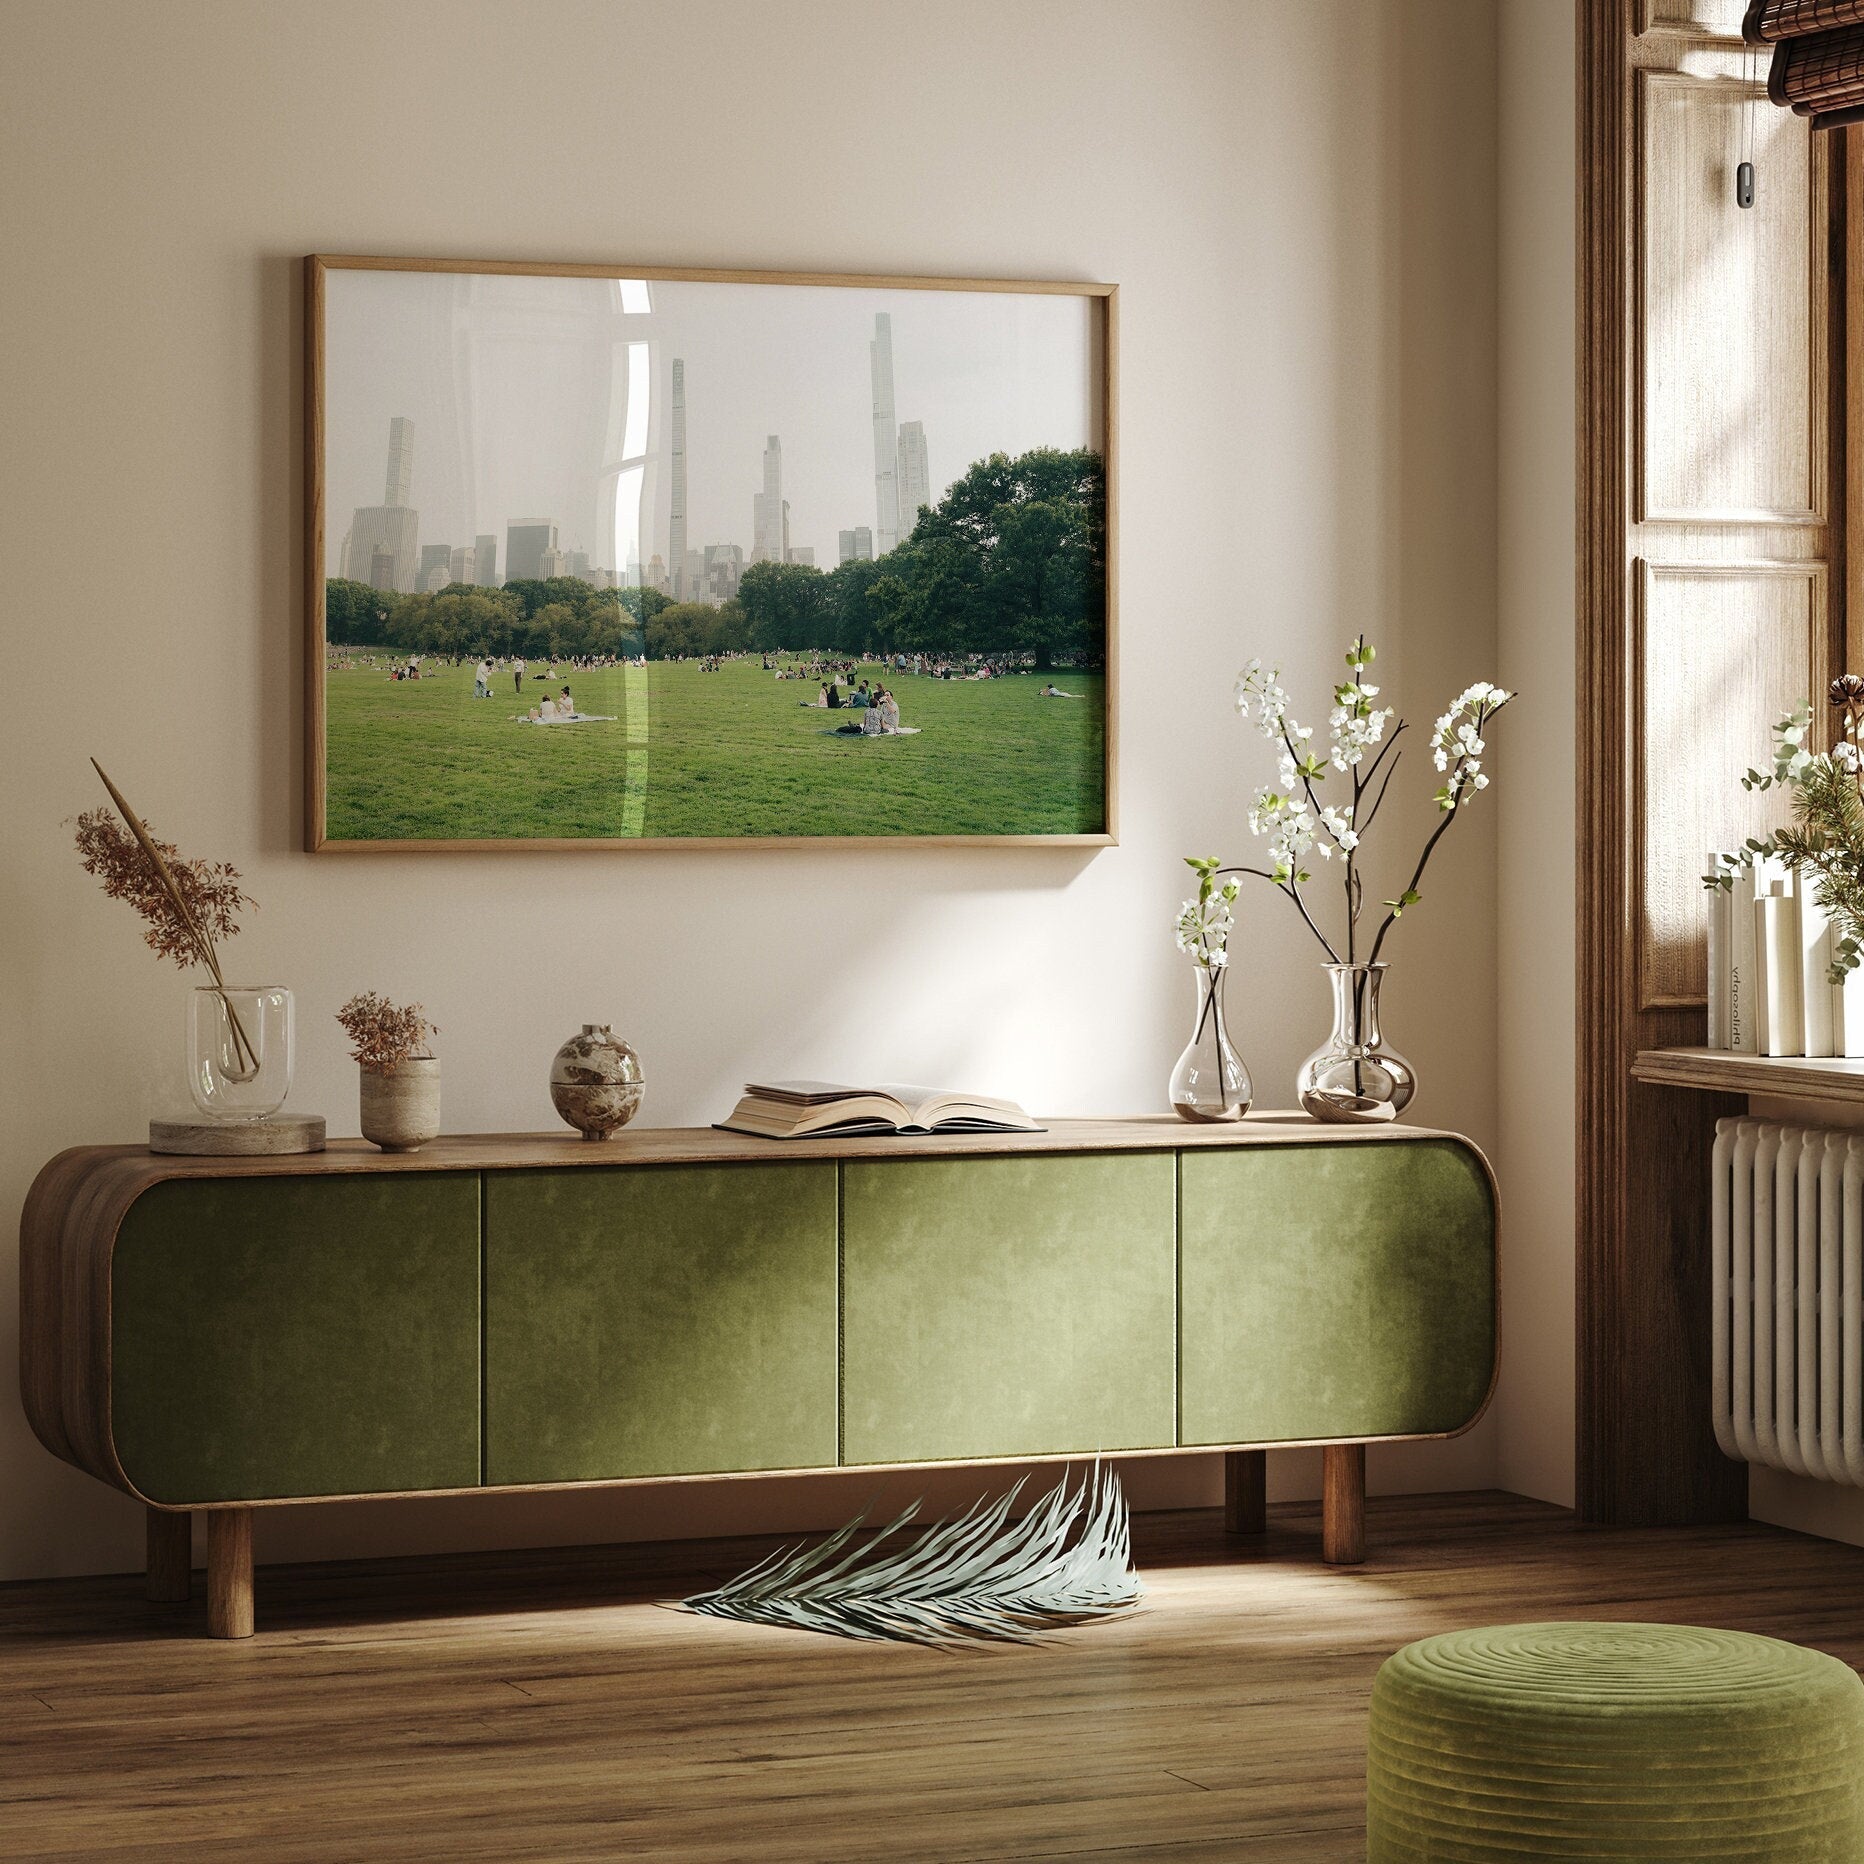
(135, 1168)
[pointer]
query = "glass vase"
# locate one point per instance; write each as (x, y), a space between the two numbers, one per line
(1355, 1076)
(1210, 1081)
(239, 1050)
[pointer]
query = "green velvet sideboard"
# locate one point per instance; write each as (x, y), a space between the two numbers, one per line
(516, 1312)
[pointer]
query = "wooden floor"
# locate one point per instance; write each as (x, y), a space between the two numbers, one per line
(545, 1706)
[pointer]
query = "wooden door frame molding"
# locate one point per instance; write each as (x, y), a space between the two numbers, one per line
(1603, 881)
(1646, 1453)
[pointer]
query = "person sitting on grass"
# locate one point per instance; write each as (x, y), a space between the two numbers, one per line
(873, 725)
(889, 711)
(834, 697)
(566, 706)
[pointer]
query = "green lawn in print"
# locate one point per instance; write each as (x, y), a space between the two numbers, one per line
(727, 753)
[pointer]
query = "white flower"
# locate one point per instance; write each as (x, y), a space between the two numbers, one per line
(1204, 926)
(1259, 693)
(1339, 824)
(1457, 744)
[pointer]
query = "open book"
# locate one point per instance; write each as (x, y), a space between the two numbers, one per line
(801, 1109)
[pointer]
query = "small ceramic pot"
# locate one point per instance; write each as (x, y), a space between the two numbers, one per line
(596, 1082)
(401, 1111)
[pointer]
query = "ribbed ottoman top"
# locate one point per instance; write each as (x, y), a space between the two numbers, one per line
(1591, 1669)
(1615, 1741)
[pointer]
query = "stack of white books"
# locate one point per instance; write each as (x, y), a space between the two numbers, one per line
(1770, 960)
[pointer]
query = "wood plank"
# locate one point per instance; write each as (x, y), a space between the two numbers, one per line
(691, 1145)
(1719, 1071)
(544, 1705)
(1718, 20)
(1730, 327)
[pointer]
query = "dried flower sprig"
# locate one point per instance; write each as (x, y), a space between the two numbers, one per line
(186, 904)
(383, 1035)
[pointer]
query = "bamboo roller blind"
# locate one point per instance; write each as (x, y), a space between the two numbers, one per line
(1818, 56)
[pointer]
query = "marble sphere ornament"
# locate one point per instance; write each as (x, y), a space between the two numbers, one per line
(596, 1082)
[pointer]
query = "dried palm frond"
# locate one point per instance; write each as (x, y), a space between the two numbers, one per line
(985, 1577)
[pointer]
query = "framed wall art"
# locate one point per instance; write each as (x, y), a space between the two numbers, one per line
(628, 556)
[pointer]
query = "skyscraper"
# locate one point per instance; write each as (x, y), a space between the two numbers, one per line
(460, 569)
(803, 553)
(393, 527)
(485, 560)
(886, 436)
(676, 525)
(435, 557)
(525, 545)
(857, 546)
(915, 475)
(400, 461)
(769, 515)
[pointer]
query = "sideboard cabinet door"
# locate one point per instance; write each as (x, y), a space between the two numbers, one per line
(297, 1336)
(1335, 1291)
(659, 1320)
(999, 1307)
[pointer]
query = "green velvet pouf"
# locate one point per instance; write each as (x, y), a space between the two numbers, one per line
(1614, 1741)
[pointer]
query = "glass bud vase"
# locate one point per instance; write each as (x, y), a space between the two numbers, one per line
(1355, 1076)
(1210, 1081)
(239, 1050)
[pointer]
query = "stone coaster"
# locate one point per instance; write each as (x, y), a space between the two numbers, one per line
(236, 1139)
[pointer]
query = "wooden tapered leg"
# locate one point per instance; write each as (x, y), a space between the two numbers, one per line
(1343, 1504)
(170, 1555)
(229, 1572)
(1245, 1491)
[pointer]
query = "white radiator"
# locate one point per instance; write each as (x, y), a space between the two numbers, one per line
(1787, 1212)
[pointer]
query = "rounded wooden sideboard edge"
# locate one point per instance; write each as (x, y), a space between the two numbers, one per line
(76, 1205)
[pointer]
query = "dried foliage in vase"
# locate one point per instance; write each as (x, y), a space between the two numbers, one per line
(186, 905)
(383, 1035)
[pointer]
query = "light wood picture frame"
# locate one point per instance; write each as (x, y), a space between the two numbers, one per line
(627, 632)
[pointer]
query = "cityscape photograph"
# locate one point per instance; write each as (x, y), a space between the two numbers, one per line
(625, 559)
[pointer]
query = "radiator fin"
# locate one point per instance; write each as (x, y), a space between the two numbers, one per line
(1787, 1213)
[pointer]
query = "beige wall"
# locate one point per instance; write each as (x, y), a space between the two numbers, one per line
(1538, 658)
(1300, 207)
